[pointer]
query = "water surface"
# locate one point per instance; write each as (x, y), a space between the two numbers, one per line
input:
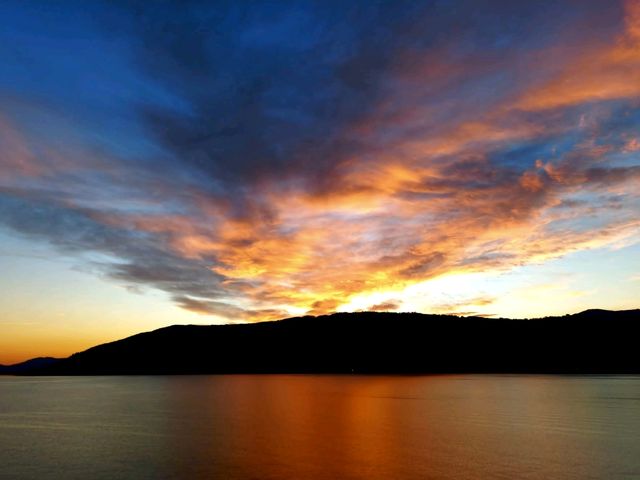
(320, 427)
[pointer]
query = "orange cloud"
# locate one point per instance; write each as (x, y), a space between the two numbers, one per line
(602, 72)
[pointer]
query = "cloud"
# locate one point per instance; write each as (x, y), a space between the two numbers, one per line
(291, 159)
(602, 72)
(453, 307)
(472, 314)
(141, 259)
(388, 306)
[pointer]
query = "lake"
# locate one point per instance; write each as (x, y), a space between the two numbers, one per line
(320, 427)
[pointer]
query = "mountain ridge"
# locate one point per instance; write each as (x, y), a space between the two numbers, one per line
(592, 341)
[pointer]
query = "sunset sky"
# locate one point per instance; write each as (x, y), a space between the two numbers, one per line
(215, 162)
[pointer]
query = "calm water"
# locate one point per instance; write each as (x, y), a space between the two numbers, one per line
(320, 427)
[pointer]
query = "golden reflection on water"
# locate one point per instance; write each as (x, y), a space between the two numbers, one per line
(330, 427)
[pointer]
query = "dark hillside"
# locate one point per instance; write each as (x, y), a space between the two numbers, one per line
(594, 341)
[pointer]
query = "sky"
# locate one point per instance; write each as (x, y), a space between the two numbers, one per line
(222, 162)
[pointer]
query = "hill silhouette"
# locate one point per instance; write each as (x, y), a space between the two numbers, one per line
(594, 341)
(29, 365)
